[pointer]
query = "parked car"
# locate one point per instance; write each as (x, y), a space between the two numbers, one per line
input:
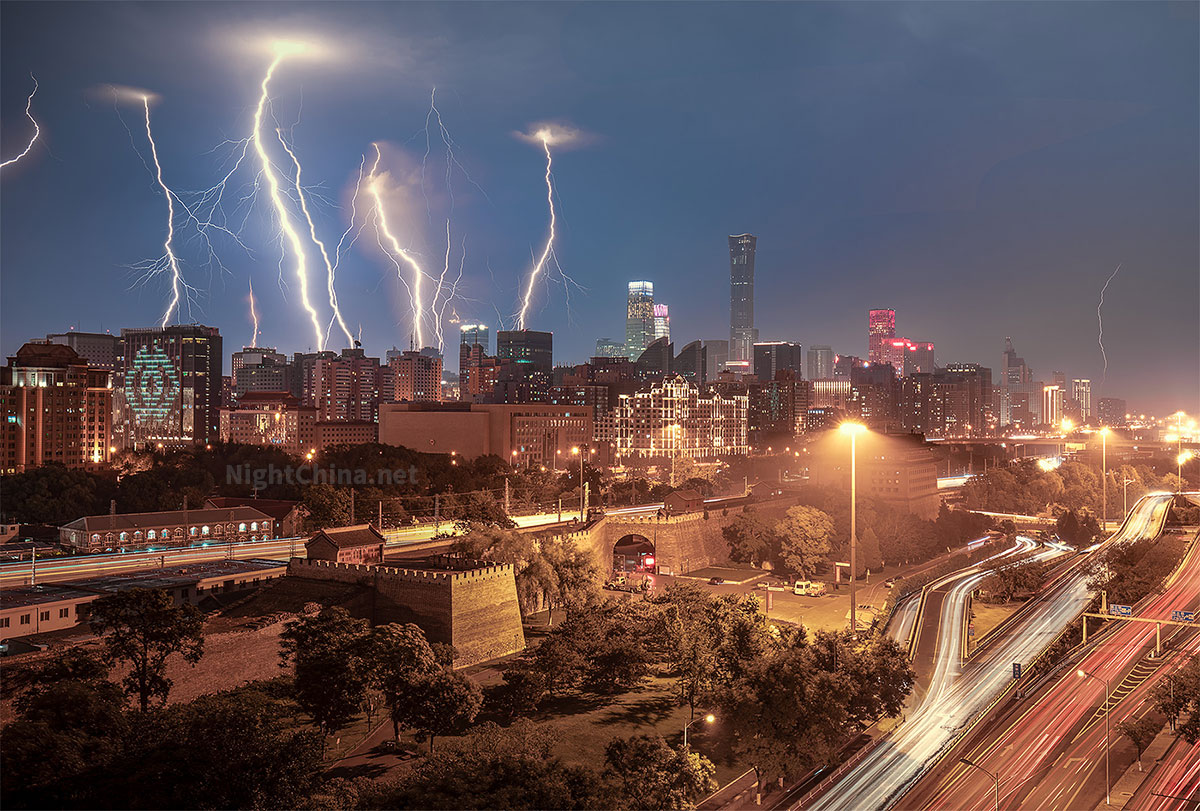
(809, 588)
(715, 581)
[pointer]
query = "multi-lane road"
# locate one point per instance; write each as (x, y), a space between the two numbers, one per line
(1052, 755)
(957, 693)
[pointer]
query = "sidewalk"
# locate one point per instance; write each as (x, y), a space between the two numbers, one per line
(1126, 785)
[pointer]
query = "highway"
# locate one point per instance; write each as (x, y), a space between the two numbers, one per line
(1052, 755)
(1174, 785)
(957, 695)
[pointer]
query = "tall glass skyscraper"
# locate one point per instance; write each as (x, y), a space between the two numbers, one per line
(471, 335)
(639, 318)
(881, 327)
(742, 334)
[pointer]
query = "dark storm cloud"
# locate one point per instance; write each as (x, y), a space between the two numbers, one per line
(980, 167)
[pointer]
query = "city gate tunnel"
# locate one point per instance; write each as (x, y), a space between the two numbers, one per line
(634, 553)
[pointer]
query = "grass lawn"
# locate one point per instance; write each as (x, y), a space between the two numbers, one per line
(988, 616)
(584, 724)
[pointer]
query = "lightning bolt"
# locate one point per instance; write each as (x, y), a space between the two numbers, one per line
(37, 130)
(172, 259)
(312, 230)
(267, 171)
(541, 263)
(396, 253)
(1100, 321)
(253, 315)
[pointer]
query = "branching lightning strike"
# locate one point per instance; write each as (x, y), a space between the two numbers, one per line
(546, 252)
(279, 203)
(312, 230)
(383, 231)
(172, 260)
(37, 130)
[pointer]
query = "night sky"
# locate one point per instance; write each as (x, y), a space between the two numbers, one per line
(981, 168)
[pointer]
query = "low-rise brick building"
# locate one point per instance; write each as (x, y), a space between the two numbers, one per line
(357, 544)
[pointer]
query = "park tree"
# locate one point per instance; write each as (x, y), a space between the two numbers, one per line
(331, 673)
(440, 703)
(53, 494)
(805, 534)
(750, 538)
(396, 658)
(326, 506)
(1179, 695)
(1140, 732)
(143, 628)
(232, 749)
(648, 774)
(869, 555)
(1010, 579)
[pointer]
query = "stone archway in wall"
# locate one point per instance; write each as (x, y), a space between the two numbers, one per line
(633, 553)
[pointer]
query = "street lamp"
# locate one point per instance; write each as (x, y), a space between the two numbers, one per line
(1125, 496)
(995, 777)
(1081, 673)
(708, 719)
(1180, 461)
(1104, 480)
(853, 429)
(577, 451)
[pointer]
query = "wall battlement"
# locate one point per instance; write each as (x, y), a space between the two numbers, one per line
(475, 610)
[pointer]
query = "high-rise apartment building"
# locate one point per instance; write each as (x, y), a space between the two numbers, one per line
(820, 363)
(1081, 393)
(1052, 405)
(742, 334)
(260, 369)
(172, 385)
(273, 419)
(662, 322)
(472, 335)
(772, 357)
(346, 387)
(1111, 411)
(881, 326)
(411, 377)
(639, 318)
(55, 408)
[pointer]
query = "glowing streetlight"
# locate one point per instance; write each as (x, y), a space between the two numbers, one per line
(1180, 461)
(708, 719)
(1083, 674)
(853, 429)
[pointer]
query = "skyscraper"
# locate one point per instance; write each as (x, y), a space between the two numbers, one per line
(1081, 393)
(639, 318)
(881, 326)
(1052, 405)
(742, 334)
(662, 322)
(471, 335)
(820, 363)
(172, 384)
(527, 347)
(608, 348)
(771, 357)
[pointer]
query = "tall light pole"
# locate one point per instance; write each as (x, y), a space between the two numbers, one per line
(853, 429)
(1180, 461)
(578, 451)
(995, 777)
(708, 719)
(1125, 496)
(1081, 673)
(1104, 479)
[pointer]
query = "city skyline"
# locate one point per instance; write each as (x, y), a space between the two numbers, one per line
(1012, 202)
